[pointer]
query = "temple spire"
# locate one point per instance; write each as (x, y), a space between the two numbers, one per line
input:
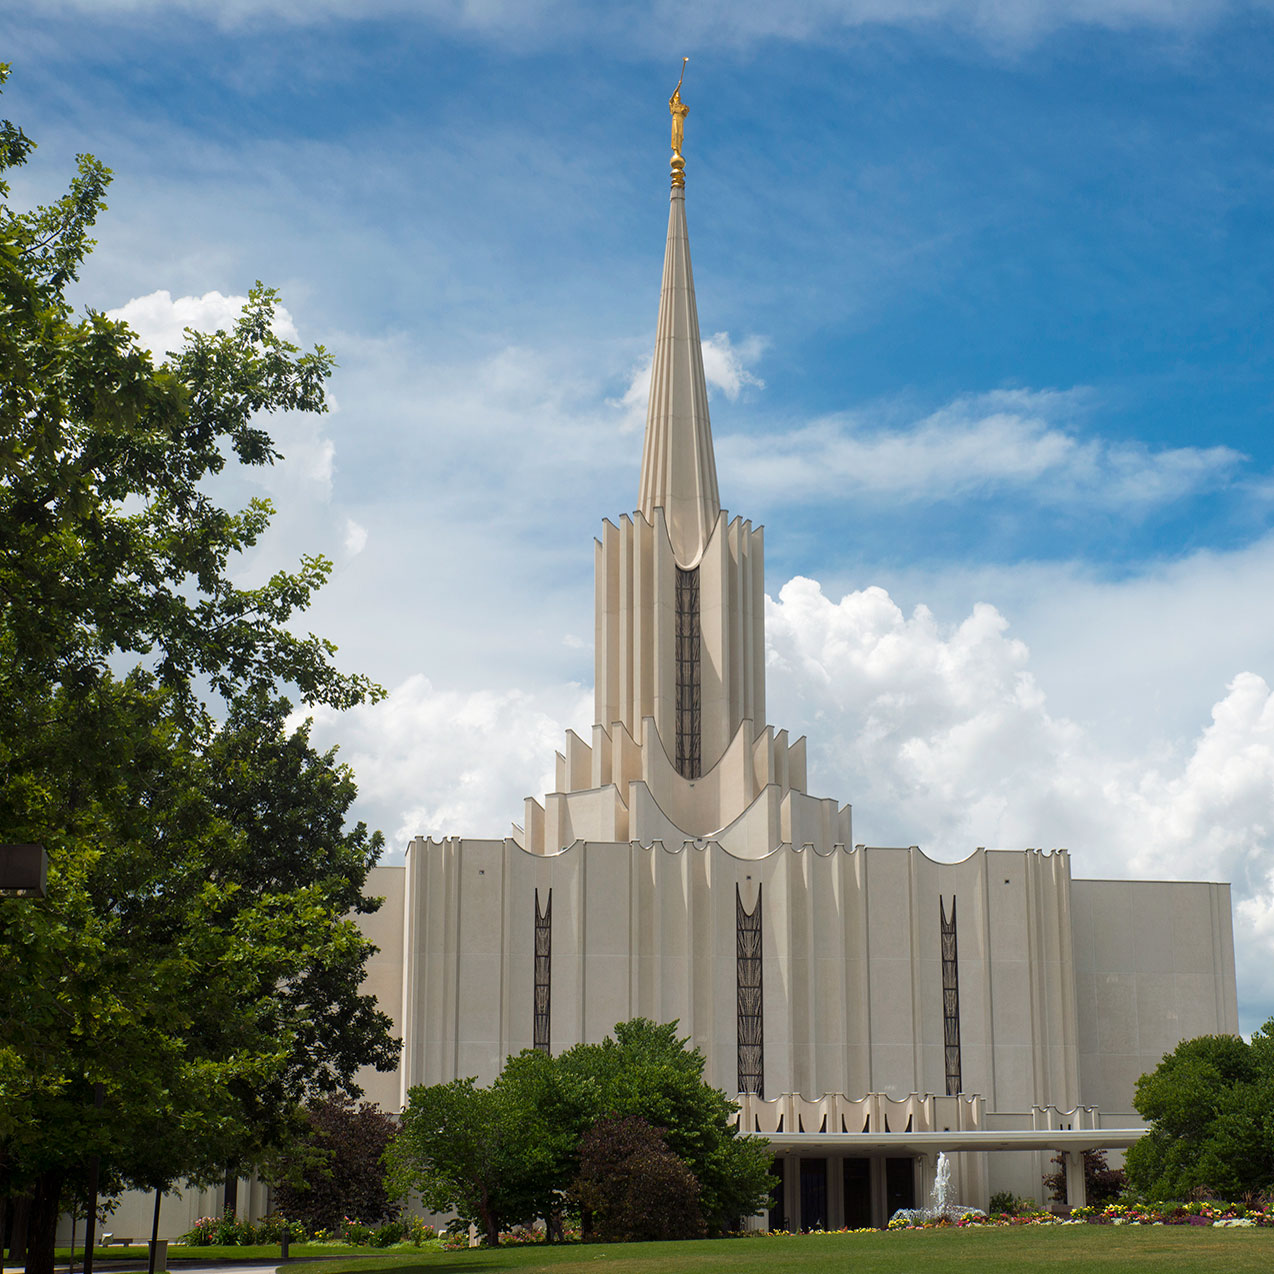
(678, 469)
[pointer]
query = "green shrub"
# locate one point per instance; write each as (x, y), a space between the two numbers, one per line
(229, 1231)
(271, 1229)
(419, 1231)
(388, 1234)
(355, 1233)
(201, 1235)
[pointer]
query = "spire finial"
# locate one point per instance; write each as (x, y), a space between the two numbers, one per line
(679, 111)
(678, 469)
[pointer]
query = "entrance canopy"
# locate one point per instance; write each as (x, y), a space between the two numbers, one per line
(931, 1143)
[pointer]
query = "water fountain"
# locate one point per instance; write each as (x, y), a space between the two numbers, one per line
(940, 1207)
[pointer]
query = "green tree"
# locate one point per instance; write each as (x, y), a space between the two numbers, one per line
(646, 1070)
(1210, 1107)
(195, 958)
(518, 1142)
(470, 1150)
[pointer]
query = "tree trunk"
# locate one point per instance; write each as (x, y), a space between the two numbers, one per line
(43, 1225)
(21, 1207)
(154, 1233)
(492, 1223)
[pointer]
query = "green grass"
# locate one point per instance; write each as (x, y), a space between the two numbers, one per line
(1093, 1249)
(134, 1252)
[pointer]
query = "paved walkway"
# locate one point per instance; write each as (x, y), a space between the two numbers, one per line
(174, 1267)
(193, 1265)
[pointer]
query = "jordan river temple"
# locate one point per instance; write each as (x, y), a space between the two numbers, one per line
(870, 1007)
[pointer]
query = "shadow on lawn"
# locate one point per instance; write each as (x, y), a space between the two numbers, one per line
(419, 1265)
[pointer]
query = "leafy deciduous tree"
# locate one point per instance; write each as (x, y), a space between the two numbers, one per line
(1102, 1183)
(468, 1149)
(510, 1152)
(195, 956)
(1210, 1106)
(648, 1071)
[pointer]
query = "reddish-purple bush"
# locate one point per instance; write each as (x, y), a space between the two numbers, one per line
(631, 1187)
(335, 1172)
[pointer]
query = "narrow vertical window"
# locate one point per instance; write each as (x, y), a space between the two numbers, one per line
(543, 957)
(750, 1027)
(688, 643)
(950, 996)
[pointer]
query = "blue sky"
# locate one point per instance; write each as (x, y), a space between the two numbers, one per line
(985, 288)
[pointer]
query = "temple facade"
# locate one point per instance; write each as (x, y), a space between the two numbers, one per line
(870, 1006)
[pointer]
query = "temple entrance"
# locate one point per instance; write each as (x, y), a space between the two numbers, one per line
(900, 1185)
(857, 1190)
(854, 1192)
(813, 1194)
(777, 1212)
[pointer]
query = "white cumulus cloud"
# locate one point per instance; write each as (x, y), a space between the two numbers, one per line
(454, 762)
(160, 321)
(355, 538)
(941, 736)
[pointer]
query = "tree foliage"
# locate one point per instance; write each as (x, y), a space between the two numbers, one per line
(1210, 1106)
(467, 1149)
(632, 1188)
(195, 956)
(508, 1153)
(335, 1169)
(648, 1071)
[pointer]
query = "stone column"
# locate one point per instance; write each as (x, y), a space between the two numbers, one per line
(1076, 1191)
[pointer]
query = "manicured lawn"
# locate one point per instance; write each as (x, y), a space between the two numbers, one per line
(1104, 1249)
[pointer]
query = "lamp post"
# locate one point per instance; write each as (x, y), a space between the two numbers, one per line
(24, 869)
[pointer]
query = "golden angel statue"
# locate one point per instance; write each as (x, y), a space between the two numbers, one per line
(679, 111)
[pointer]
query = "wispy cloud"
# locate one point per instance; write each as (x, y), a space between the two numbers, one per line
(645, 23)
(726, 368)
(999, 442)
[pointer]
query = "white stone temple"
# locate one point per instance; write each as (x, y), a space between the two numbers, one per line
(871, 1006)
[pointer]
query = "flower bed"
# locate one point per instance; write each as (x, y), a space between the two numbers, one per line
(230, 1231)
(1231, 1215)
(1228, 1215)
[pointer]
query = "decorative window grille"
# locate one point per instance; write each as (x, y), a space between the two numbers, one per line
(688, 646)
(750, 1029)
(950, 996)
(543, 959)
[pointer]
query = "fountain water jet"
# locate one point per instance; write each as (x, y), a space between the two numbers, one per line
(939, 1200)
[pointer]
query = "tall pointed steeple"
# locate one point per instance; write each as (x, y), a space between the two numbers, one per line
(678, 468)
